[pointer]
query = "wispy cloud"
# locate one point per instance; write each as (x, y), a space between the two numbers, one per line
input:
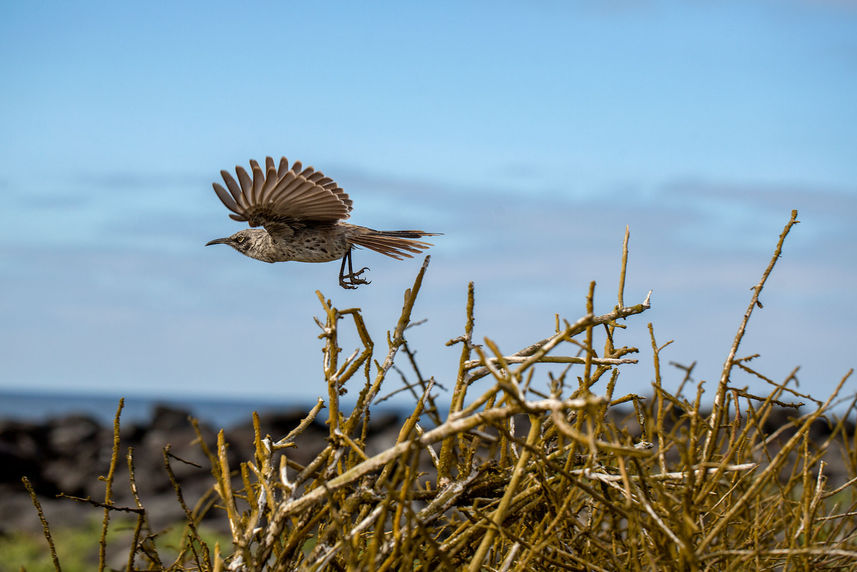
(147, 287)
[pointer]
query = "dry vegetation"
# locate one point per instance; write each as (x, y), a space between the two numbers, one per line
(535, 471)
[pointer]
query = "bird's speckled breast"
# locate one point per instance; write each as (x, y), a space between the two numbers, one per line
(314, 245)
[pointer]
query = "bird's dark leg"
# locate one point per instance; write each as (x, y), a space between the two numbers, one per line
(351, 280)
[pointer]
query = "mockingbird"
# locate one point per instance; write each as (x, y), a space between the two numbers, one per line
(301, 213)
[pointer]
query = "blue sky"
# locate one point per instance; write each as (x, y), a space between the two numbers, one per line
(529, 134)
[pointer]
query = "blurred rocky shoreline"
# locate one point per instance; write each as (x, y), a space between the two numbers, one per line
(68, 454)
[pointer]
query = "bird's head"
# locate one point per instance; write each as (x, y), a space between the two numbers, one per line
(248, 242)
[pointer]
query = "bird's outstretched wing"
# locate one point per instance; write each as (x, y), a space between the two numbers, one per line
(274, 196)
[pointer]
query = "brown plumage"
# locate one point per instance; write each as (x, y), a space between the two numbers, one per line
(301, 213)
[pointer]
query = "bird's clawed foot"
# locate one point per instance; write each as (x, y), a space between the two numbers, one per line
(352, 280)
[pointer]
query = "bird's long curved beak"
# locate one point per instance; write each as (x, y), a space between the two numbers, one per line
(217, 241)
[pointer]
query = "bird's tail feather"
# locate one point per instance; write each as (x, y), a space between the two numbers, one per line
(396, 244)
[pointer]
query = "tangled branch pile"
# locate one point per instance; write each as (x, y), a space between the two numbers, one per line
(536, 472)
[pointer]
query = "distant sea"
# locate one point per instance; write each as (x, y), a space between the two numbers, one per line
(39, 406)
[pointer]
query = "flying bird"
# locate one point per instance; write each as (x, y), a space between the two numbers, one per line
(301, 213)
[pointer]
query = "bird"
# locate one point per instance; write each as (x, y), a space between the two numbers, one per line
(301, 212)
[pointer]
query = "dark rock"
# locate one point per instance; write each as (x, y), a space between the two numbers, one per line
(167, 418)
(22, 447)
(67, 435)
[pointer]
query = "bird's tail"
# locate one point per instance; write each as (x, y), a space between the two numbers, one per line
(396, 244)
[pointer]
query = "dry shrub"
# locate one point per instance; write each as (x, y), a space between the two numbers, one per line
(535, 472)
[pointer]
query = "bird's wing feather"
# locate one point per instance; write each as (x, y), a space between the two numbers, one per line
(276, 195)
(226, 198)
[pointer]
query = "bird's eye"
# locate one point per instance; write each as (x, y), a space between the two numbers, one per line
(240, 239)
